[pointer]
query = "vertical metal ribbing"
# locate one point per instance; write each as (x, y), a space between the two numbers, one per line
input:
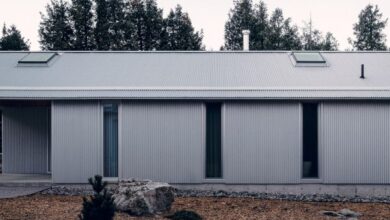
(77, 141)
(25, 139)
(356, 142)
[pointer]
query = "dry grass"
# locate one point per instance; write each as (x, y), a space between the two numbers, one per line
(68, 207)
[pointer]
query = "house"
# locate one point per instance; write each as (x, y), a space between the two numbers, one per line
(239, 117)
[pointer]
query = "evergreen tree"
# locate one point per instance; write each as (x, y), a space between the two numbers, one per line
(135, 25)
(330, 43)
(101, 31)
(99, 206)
(55, 29)
(179, 33)
(290, 39)
(82, 18)
(276, 30)
(260, 36)
(12, 39)
(241, 17)
(144, 25)
(368, 30)
(117, 24)
(312, 39)
(153, 25)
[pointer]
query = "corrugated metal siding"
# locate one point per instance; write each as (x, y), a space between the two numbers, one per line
(163, 141)
(77, 141)
(356, 142)
(262, 143)
(25, 139)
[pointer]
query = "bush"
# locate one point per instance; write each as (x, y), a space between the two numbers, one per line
(185, 215)
(100, 206)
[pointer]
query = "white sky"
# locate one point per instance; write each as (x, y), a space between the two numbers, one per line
(336, 16)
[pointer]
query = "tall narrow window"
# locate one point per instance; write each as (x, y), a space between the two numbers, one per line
(213, 141)
(310, 141)
(110, 140)
(1, 142)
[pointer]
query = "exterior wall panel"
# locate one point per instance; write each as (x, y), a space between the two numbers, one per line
(262, 143)
(77, 141)
(356, 143)
(163, 141)
(25, 140)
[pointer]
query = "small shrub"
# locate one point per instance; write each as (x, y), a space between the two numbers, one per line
(185, 215)
(100, 206)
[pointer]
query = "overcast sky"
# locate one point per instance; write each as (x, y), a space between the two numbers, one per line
(336, 16)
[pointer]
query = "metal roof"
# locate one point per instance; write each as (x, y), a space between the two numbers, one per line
(195, 75)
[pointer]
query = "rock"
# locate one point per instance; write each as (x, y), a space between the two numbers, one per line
(330, 213)
(142, 197)
(349, 213)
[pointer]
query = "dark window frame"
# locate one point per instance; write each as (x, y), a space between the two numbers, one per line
(214, 159)
(1, 141)
(310, 141)
(113, 112)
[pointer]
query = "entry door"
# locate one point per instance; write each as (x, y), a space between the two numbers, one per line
(110, 140)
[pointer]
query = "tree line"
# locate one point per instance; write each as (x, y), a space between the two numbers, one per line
(140, 25)
(116, 25)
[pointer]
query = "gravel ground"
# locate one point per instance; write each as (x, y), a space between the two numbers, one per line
(74, 190)
(11, 192)
(68, 207)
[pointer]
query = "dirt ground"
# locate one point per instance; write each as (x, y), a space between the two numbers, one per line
(68, 207)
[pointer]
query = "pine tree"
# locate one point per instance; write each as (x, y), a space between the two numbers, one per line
(241, 17)
(290, 39)
(369, 29)
(276, 30)
(312, 39)
(153, 25)
(260, 36)
(330, 43)
(12, 39)
(117, 24)
(101, 32)
(135, 26)
(55, 29)
(179, 33)
(82, 18)
(99, 206)
(144, 27)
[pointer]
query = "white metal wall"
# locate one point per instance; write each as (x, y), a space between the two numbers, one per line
(355, 143)
(262, 143)
(25, 140)
(77, 141)
(163, 141)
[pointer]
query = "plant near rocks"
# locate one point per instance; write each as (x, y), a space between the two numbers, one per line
(100, 206)
(185, 215)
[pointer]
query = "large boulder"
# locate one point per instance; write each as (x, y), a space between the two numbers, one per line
(141, 197)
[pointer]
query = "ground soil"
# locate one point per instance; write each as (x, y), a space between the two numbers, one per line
(68, 207)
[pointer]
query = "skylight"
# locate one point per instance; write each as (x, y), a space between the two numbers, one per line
(308, 57)
(37, 58)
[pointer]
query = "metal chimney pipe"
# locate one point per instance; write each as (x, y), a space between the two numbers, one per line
(245, 34)
(362, 72)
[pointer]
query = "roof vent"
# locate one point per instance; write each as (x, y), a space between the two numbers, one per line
(308, 59)
(362, 72)
(37, 58)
